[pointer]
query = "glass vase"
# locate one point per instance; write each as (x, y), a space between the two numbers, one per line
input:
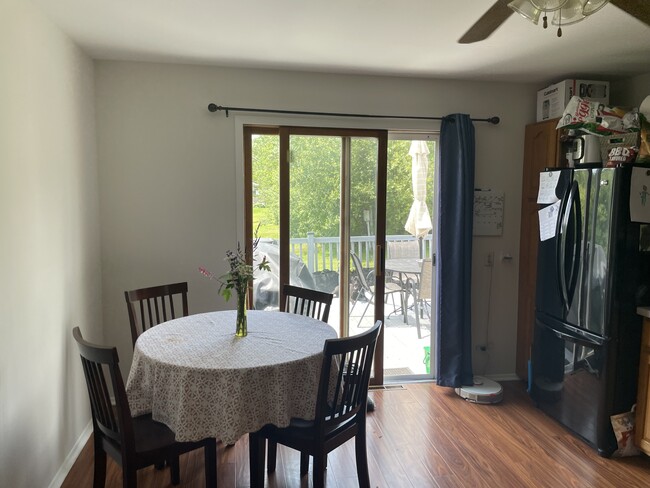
(242, 324)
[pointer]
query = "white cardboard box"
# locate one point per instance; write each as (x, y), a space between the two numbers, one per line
(552, 99)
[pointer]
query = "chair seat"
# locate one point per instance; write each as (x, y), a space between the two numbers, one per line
(151, 435)
(393, 287)
(304, 428)
(133, 442)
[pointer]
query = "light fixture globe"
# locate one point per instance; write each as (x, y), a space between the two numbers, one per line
(593, 6)
(526, 9)
(570, 13)
(548, 5)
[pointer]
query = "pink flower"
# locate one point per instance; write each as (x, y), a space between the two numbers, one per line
(205, 272)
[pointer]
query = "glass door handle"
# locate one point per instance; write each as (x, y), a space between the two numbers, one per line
(379, 260)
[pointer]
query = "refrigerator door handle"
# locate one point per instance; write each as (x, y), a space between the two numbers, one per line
(575, 265)
(560, 250)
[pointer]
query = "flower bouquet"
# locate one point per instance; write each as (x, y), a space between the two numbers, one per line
(238, 279)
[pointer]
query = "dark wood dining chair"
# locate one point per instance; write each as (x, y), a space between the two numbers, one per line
(304, 301)
(151, 306)
(134, 443)
(340, 412)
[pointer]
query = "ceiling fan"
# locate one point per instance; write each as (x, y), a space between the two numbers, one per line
(503, 9)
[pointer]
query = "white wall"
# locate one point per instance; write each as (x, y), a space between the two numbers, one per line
(171, 196)
(630, 92)
(49, 243)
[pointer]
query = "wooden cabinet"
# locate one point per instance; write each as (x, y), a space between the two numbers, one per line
(642, 428)
(541, 150)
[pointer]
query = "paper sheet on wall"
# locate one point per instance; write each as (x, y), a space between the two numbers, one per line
(547, 185)
(640, 195)
(488, 213)
(548, 221)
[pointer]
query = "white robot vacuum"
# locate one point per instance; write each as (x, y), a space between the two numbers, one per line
(483, 391)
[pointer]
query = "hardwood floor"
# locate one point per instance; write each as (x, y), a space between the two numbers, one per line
(425, 436)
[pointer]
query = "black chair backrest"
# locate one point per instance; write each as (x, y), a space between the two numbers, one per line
(101, 369)
(345, 375)
(303, 301)
(151, 306)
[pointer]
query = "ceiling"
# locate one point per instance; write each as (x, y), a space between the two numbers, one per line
(385, 37)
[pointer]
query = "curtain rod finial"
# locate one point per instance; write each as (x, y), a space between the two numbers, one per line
(213, 107)
(494, 120)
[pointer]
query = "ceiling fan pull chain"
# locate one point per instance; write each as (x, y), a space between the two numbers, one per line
(559, 29)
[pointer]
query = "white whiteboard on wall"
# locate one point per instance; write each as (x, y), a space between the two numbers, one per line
(488, 213)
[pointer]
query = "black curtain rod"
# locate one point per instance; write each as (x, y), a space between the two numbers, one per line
(213, 107)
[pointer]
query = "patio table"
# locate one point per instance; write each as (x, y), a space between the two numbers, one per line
(404, 267)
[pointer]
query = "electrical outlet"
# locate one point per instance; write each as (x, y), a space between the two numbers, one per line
(489, 260)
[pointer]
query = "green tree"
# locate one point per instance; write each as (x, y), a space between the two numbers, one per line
(315, 184)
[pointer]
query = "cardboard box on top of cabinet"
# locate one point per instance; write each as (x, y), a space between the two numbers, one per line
(552, 100)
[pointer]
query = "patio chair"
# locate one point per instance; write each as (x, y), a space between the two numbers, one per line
(403, 249)
(134, 443)
(367, 291)
(421, 290)
(304, 301)
(151, 306)
(340, 412)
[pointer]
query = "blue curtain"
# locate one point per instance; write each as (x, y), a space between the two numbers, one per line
(454, 252)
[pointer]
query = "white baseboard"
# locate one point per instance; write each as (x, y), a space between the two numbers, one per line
(72, 456)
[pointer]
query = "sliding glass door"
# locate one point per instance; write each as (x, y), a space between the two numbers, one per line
(410, 260)
(317, 200)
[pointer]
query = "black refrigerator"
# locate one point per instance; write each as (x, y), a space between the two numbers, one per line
(591, 276)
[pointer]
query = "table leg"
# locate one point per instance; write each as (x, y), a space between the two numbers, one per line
(256, 452)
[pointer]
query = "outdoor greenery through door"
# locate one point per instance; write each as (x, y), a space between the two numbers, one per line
(315, 181)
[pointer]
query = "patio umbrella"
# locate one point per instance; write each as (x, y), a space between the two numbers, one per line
(419, 221)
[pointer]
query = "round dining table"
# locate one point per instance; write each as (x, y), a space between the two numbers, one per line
(194, 375)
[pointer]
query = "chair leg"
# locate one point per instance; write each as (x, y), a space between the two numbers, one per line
(416, 309)
(366, 309)
(129, 477)
(256, 454)
(362, 458)
(304, 464)
(273, 454)
(320, 463)
(175, 470)
(417, 325)
(210, 452)
(404, 301)
(99, 473)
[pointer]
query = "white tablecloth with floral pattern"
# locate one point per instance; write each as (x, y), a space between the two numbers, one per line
(197, 377)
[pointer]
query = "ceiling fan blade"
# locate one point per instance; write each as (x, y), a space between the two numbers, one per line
(639, 9)
(488, 23)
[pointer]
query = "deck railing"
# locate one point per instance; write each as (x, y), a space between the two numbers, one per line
(322, 253)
